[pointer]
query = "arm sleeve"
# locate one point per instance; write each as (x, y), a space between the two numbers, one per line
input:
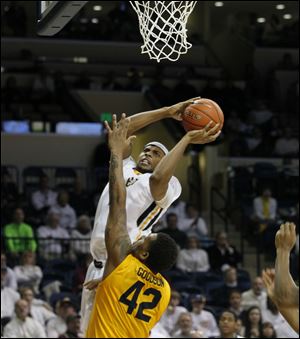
(9, 242)
(173, 192)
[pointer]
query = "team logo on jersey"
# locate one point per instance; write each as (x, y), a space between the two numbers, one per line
(131, 181)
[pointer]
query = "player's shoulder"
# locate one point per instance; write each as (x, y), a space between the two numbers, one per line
(129, 162)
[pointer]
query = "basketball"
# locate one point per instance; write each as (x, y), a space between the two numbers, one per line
(200, 113)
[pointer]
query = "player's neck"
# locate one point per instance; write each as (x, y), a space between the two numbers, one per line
(143, 171)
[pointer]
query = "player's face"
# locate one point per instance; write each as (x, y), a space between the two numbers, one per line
(142, 245)
(149, 159)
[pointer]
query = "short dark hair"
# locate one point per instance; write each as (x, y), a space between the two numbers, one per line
(231, 312)
(163, 253)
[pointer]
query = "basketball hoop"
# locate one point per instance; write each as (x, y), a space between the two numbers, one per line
(163, 27)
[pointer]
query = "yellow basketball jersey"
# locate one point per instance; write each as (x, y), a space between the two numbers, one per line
(128, 302)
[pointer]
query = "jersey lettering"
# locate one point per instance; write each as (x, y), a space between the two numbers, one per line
(136, 289)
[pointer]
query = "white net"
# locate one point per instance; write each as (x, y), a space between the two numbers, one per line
(163, 27)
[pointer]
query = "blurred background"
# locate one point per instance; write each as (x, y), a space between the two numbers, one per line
(56, 93)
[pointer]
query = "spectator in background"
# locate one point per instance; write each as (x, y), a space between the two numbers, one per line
(221, 294)
(44, 198)
(287, 145)
(80, 199)
(52, 237)
(173, 231)
(222, 255)
(268, 330)
(80, 237)
(235, 303)
(73, 327)
(20, 237)
(178, 207)
(159, 332)
(264, 209)
(170, 318)
(8, 296)
(193, 258)
(192, 223)
(185, 327)
(58, 325)
(253, 323)
(38, 309)
(256, 296)
(10, 277)
(22, 325)
(28, 273)
(203, 320)
(228, 325)
(67, 215)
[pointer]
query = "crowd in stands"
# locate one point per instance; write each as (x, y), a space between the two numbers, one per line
(46, 254)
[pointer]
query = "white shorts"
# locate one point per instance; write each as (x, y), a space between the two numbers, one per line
(88, 297)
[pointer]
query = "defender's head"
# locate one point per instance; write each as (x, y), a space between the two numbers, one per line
(151, 156)
(158, 251)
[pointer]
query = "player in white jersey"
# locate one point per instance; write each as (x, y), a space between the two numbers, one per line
(151, 189)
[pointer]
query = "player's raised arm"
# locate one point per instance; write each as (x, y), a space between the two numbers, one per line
(141, 120)
(286, 290)
(162, 174)
(116, 235)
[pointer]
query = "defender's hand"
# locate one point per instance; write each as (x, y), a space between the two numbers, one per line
(286, 237)
(268, 277)
(204, 136)
(117, 135)
(176, 111)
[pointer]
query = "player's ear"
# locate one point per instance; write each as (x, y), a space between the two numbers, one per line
(144, 255)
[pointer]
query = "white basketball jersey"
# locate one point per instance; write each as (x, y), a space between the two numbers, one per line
(142, 211)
